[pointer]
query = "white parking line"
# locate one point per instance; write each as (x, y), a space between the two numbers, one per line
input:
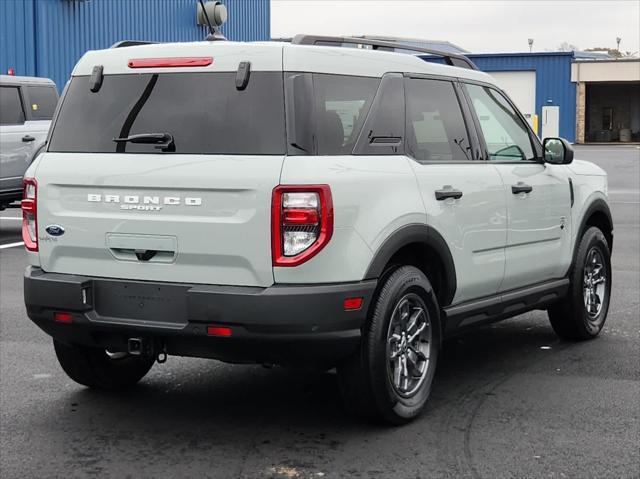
(10, 218)
(11, 245)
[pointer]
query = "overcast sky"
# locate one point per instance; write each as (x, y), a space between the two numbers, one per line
(477, 26)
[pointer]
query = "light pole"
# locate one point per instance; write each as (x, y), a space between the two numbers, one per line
(618, 40)
(530, 44)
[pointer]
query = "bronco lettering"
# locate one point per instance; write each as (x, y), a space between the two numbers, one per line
(144, 203)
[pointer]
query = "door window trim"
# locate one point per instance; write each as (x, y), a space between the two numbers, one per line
(472, 131)
(536, 145)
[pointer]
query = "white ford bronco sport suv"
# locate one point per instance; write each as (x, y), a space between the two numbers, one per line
(303, 204)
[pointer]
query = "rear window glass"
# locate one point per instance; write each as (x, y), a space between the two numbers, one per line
(42, 102)
(10, 106)
(203, 112)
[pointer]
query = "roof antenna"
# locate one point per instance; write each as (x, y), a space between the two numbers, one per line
(213, 14)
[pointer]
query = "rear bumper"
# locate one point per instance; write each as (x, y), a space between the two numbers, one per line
(281, 324)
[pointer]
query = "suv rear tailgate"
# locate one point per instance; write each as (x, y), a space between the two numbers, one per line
(192, 208)
(207, 218)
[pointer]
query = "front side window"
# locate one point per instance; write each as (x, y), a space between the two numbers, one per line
(42, 102)
(505, 134)
(435, 129)
(11, 112)
(204, 113)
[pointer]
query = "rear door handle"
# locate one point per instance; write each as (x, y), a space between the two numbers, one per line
(448, 192)
(28, 138)
(521, 188)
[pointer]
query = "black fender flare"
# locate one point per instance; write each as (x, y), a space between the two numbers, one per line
(596, 206)
(416, 233)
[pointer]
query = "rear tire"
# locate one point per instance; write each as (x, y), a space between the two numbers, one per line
(583, 312)
(95, 368)
(389, 378)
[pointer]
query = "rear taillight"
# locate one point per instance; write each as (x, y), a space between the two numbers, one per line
(30, 214)
(301, 223)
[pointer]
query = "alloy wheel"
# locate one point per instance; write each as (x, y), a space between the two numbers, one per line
(408, 345)
(595, 283)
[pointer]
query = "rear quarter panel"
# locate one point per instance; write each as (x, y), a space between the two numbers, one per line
(372, 197)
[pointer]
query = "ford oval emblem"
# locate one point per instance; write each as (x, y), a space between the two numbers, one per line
(55, 230)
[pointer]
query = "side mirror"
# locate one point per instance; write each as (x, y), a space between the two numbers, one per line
(557, 151)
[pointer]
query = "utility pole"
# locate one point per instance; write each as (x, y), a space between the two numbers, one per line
(530, 45)
(618, 40)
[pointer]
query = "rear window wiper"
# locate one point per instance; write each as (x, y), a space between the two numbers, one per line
(161, 141)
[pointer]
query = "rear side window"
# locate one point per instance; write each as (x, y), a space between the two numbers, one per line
(342, 103)
(435, 129)
(204, 113)
(42, 102)
(325, 113)
(11, 112)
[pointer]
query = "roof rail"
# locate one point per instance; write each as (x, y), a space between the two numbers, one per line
(452, 59)
(130, 43)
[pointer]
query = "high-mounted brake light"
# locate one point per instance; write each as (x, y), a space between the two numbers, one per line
(29, 207)
(170, 62)
(301, 223)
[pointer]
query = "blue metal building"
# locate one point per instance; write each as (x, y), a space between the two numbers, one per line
(47, 37)
(539, 84)
(553, 87)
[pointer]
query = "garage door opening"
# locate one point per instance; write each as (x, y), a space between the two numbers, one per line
(612, 112)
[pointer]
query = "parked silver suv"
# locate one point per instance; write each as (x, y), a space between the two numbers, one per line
(302, 204)
(26, 108)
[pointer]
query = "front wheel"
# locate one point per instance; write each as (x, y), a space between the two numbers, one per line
(390, 377)
(582, 313)
(98, 368)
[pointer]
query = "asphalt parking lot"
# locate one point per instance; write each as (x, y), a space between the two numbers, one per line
(510, 400)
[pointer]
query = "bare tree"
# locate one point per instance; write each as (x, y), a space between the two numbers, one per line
(567, 47)
(613, 52)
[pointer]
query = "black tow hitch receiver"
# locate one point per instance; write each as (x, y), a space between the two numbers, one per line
(140, 347)
(161, 358)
